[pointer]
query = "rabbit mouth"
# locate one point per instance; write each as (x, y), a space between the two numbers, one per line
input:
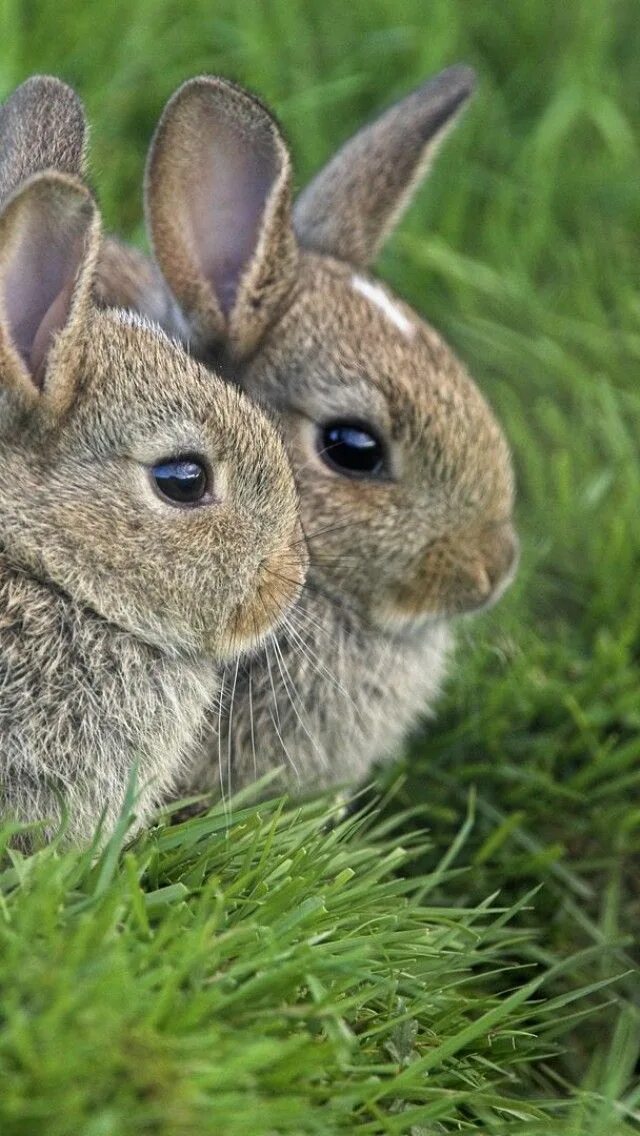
(388, 626)
(459, 574)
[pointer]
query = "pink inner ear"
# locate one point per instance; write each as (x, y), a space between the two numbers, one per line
(53, 320)
(225, 200)
(38, 282)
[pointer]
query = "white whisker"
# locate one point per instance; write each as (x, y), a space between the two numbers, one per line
(276, 720)
(229, 725)
(220, 772)
(293, 696)
(253, 739)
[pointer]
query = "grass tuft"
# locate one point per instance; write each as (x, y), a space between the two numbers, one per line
(269, 970)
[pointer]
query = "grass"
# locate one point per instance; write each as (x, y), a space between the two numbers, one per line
(272, 975)
(218, 975)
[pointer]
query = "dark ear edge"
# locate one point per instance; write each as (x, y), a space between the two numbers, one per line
(218, 208)
(49, 241)
(351, 206)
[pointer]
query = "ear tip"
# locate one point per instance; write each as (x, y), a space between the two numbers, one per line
(463, 76)
(49, 82)
(206, 87)
(42, 126)
(200, 91)
(434, 105)
(218, 88)
(46, 89)
(451, 87)
(205, 102)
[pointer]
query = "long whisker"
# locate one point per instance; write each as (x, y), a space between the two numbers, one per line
(306, 620)
(309, 536)
(293, 696)
(220, 773)
(253, 739)
(302, 647)
(229, 725)
(276, 724)
(314, 660)
(317, 454)
(311, 588)
(276, 720)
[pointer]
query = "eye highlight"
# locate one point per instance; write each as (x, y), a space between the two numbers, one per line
(352, 449)
(182, 480)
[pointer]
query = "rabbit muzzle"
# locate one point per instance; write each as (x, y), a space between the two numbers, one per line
(280, 578)
(460, 573)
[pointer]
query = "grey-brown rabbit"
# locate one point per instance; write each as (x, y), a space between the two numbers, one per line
(404, 475)
(148, 515)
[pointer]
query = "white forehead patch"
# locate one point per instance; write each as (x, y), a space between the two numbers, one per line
(377, 295)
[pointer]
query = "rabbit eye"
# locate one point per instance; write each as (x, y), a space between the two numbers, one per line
(352, 449)
(181, 480)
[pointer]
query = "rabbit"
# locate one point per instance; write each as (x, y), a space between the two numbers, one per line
(404, 475)
(149, 525)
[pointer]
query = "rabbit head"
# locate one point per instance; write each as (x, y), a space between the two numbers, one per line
(404, 475)
(143, 486)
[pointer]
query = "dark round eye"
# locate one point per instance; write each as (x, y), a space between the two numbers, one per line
(181, 480)
(352, 449)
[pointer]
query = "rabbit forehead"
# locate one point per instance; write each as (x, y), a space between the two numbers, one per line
(138, 382)
(347, 344)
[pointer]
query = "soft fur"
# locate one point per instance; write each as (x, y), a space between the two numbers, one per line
(299, 324)
(116, 607)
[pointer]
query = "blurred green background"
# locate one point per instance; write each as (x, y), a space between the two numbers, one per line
(523, 249)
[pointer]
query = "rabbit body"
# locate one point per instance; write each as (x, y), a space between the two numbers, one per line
(363, 655)
(82, 702)
(105, 660)
(404, 475)
(148, 515)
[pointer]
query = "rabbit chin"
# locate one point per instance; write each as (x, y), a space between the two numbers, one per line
(404, 625)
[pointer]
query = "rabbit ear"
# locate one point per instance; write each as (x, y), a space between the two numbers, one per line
(351, 206)
(218, 205)
(42, 127)
(49, 239)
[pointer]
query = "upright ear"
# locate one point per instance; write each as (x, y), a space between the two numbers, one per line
(351, 206)
(218, 207)
(49, 239)
(42, 127)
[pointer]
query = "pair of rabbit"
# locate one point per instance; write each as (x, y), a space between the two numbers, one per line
(404, 476)
(149, 527)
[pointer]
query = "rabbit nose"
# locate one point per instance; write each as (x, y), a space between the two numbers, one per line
(488, 577)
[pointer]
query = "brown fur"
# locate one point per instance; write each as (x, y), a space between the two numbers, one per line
(42, 127)
(254, 267)
(392, 559)
(116, 607)
(397, 150)
(136, 281)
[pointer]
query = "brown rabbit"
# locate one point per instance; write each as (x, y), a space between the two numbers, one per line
(148, 515)
(404, 475)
